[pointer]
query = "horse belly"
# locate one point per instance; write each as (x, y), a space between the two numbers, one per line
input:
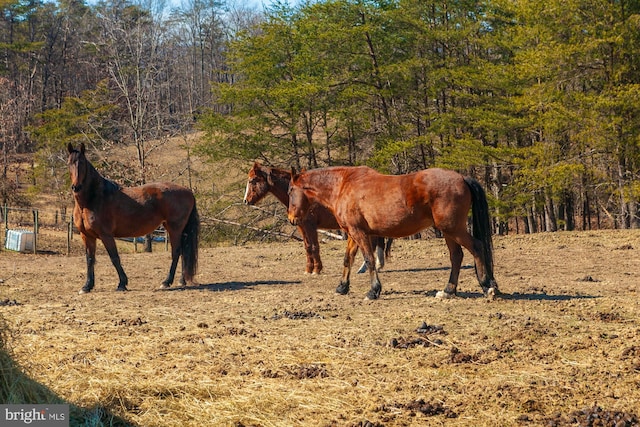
(137, 214)
(137, 221)
(396, 217)
(400, 226)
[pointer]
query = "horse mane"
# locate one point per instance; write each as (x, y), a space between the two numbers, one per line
(108, 186)
(330, 177)
(282, 175)
(111, 187)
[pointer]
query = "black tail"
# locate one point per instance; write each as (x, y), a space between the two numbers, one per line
(189, 244)
(482, 227)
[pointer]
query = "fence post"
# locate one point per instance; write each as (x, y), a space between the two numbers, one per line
(69, 236)
(35, 231)
(6, 224)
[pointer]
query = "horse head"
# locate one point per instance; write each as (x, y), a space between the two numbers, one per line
(257, 184)
(298, 198)
(78, 167)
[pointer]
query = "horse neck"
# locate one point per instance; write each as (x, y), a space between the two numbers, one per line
(280, 188)
(92, 188)
(325, 183)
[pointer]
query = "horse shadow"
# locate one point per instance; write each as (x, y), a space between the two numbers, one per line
(516, 296)
(422, 269)
(232, 286)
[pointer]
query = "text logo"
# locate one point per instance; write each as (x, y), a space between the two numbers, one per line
(34, 415)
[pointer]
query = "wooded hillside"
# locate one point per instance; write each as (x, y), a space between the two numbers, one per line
(537, 100)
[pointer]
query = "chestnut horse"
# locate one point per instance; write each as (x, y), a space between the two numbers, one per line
(366, 203)
(263, 180)
(103, 210)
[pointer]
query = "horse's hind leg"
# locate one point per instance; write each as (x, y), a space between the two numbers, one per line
(488, 284)
(455, 256)
(110, 245)
(175, 241)
(475, 247)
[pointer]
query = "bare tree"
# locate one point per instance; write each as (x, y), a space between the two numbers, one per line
(14, 107)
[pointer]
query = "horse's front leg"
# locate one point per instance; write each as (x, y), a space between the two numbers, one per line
(349, 256)
(110, 245)
(309, 233)
(367, 247)
(90, 254)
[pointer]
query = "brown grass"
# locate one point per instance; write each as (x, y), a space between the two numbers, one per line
(259, 343)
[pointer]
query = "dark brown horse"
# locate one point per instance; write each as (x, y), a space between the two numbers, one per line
(103, 210)
(263, 180)
(367, 203)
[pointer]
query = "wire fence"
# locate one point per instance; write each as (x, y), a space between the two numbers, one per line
(51, 231)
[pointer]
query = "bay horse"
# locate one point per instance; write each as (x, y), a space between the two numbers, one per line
(104, 210)
(366, 203)
(263, 180)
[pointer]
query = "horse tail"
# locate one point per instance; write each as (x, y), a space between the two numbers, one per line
(482, 225)
(189, 244)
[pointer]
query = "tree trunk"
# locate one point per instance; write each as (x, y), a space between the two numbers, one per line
(531, 220)
(633, 214)
(551, 223)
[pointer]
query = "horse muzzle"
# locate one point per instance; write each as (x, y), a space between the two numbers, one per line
(293, 220)
(76, 188)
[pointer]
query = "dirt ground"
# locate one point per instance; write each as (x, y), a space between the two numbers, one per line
(258, 343)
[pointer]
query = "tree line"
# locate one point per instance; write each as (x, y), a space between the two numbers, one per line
(537, 100)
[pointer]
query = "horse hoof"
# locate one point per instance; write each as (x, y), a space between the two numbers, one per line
(444, 295)
(491, 294)
(164, 286)
(342, 289)
(83, 291)
(121, 289)
(372, 296)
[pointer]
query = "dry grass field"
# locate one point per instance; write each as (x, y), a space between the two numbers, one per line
(258, 343)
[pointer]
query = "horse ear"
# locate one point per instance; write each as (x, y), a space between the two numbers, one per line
(293, 171)
(70, 148)
(82, 148)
